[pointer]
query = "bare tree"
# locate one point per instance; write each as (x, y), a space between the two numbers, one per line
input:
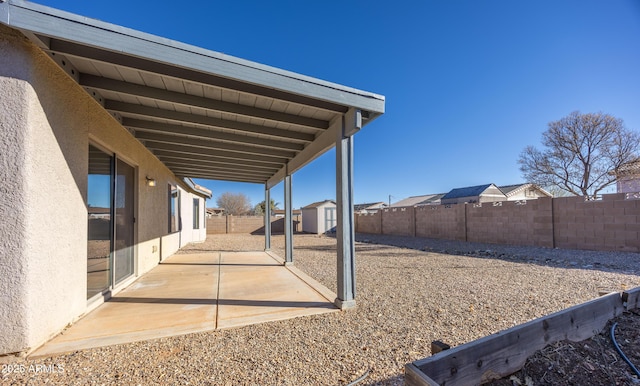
(234, 204)
(580, 152)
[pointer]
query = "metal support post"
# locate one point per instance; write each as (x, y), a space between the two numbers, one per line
(288, 214)
(345, 232)
(267, 218)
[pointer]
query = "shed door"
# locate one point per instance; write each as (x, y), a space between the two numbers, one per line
(329, 219)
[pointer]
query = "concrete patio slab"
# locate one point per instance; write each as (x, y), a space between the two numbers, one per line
(254, 289)
(190, 293)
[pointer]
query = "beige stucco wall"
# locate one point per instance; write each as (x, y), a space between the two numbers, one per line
(47, 196)
(47, 122)
(13, 225)
(522, 195)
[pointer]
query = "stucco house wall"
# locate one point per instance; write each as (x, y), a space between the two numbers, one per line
(47, 124)
(524, 192)
(629, 184)
(528, 194)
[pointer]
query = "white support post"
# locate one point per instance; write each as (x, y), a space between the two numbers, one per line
(288, 214)
(267, 218)
(345, 230)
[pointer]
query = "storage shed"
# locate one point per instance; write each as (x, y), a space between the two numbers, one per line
(319, 217)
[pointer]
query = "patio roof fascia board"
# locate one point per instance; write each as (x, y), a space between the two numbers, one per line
(52, 23)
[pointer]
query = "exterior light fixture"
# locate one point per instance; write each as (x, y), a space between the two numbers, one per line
(150, 181)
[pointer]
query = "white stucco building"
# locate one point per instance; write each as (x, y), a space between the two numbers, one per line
(101, 129)
(319, 217)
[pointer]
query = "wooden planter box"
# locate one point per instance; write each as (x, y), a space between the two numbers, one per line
(505, 352)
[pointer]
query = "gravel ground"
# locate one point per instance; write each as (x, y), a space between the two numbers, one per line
(410, 291)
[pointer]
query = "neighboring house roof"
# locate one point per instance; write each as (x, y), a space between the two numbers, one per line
(188, 104)
(417, 200)
(319, 203)
(511, 190)
(469, 191)
(371, 205)
(630, 168)
(434, 198)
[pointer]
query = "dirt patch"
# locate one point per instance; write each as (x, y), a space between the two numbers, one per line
(594, 361)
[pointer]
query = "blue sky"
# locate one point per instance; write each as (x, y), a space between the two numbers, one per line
(468, 84)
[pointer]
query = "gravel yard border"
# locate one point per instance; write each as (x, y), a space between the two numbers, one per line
(410, 291)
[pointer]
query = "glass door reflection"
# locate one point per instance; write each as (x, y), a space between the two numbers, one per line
(100, 225)
(124, 213)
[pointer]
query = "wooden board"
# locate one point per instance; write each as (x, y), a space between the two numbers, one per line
(415, 376)
(631, 299)
(501, 354)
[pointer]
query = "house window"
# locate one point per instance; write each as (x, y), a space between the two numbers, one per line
(174, 209)
(196, 213)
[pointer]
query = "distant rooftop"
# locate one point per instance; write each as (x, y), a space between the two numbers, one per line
(466, 192)
(418, 200)
(317, 204)
(358, 207)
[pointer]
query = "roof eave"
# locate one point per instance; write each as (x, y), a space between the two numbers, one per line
(35, 20)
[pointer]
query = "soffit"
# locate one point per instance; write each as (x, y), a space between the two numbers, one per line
(202, 113)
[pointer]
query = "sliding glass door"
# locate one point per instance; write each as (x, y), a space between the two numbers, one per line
(123, 240)
(100, 227)
(110, 208)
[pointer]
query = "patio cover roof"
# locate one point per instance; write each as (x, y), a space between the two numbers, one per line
(202, 113)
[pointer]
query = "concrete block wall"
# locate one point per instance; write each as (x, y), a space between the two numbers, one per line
(248, 224)
(369, 223)
(398, 221)
(610, 224)
(511, 222)
(244, 224)
(440, 222)
(217, 225)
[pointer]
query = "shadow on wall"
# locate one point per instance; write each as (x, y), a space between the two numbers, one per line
(249, 224)
(277, 227)
(605, 261)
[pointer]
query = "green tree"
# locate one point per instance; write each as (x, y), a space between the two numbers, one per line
(259, 209)
(580, 153)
